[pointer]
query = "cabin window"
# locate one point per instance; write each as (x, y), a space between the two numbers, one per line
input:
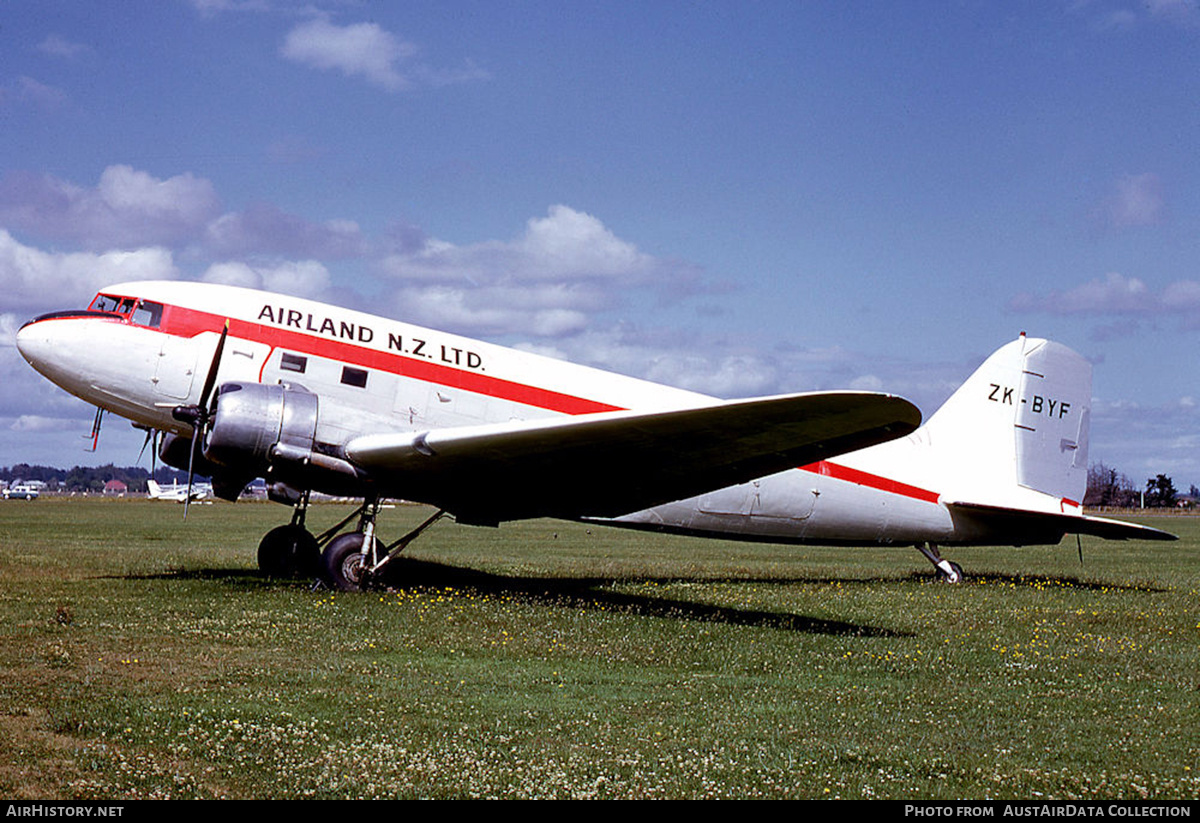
(354, 377)
(293, 362)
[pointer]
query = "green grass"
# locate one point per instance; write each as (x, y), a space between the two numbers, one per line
(144, 656)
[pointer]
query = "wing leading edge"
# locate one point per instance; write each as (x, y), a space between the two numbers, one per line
(608, 464)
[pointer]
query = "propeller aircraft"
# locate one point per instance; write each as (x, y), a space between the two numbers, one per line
(311, 397)
(178, 492)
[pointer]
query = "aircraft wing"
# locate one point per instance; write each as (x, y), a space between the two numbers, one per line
(1033, 523)
(612, 463)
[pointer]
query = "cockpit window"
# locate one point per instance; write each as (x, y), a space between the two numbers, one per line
(141, 312)
(106, 302)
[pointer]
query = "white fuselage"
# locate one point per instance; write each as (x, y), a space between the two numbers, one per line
(374, 374)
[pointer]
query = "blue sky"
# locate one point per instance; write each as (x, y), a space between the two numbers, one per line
(736, 197)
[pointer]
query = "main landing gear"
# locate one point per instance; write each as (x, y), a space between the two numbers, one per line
(948, 571)
(291, 550)
(349, 562)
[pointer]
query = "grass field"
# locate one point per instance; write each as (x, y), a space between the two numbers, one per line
(143, 656)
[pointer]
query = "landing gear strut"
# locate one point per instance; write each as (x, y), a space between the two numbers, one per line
(349, 562)
(353, 560)
(948, 571)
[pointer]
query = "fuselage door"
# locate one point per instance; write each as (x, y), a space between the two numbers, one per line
(176, 367)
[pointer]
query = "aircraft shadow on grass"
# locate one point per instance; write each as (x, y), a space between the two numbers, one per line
(576, 593)
(1061, 582)
(589, 593)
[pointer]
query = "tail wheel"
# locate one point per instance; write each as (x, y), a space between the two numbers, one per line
(952, 575)
(947, 570)
(343, 566)
(289, 551)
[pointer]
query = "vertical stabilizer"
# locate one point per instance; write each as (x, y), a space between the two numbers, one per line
(1017, 426)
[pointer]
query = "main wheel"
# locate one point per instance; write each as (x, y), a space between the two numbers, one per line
(289, 551)
(342, 565)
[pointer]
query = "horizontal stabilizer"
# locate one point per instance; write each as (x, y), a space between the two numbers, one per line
(611, 463)
(1035, 524)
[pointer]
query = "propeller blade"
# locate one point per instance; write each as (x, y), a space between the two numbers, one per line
(210, 380)
(145, 443)
(187, 498)
(200, 414)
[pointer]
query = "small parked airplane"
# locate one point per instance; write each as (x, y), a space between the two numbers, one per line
(178, 492)
(312, 397)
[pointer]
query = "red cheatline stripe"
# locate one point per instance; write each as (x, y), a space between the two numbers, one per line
(185, 322)
(874, 481)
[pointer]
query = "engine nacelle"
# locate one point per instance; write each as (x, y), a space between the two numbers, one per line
(251, 419)
(270, 431)
(176, 452)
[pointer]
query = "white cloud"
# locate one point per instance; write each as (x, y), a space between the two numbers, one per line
(714, 366)
(369, 51)
(570, 244)
(304, 278)
(39, 423)
(132, 208)
(1183, 296)
(266, 229)
(1116, 295)
(209, 8)
(1142, 440)
(126, 208)
(546, 282)
(360, 49)
(36, 281)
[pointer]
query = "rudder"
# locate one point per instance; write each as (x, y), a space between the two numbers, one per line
(1052, 421)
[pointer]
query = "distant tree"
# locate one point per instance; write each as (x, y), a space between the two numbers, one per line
(1160, 491)
(1108, 487)
(24, 471)
(93, 478)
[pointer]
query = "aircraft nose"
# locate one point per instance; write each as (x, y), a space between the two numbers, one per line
(34, 344)
(47, 346)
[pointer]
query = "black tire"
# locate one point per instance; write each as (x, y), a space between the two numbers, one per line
(289, 551)
(342, 563)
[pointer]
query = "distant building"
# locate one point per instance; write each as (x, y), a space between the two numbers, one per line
(115, 487)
